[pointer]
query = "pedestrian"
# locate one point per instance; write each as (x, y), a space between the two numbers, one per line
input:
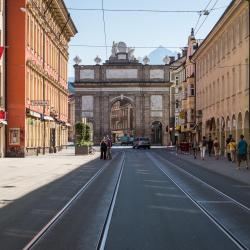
(227, 147)
(103, 146)
(232, 148)
(203, 147)
(109, 145)
(194, 147)
(242, 151)
(216, 148)
(210, 145)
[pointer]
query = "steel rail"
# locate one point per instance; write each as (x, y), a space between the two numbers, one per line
(59, 215)
(234, 239)
(104, 233)
(206, 184)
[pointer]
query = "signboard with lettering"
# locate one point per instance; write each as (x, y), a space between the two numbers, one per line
(39, 103)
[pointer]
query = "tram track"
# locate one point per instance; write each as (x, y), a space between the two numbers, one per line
(161, 163)
(60, 214)
(104, 233)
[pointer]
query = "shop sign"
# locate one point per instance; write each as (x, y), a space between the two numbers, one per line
(39, 103)
(2, 115)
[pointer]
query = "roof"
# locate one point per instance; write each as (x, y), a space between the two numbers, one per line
(215, 26)
(61, 11)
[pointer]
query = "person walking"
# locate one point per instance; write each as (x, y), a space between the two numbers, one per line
(203, 147)
(227, 147)
(194, 147)
(216, 148)
(242, 151)
(232, 148)
(109, 145)
(210, 145)
(103, 146)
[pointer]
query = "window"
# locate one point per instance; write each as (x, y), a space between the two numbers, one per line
(191, 90)
(234, 81)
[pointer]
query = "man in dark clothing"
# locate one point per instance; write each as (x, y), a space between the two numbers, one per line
(103, 149)
(210, 145)
(227, 147)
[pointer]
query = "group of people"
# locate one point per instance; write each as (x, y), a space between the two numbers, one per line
(105, 148)
(236, 152)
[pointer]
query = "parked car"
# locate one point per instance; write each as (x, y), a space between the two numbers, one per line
(141, 142)
(126, 140)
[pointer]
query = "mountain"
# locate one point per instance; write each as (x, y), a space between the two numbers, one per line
(70, 85)
(157, 55)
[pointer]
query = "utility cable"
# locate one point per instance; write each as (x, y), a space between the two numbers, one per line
(206, 17)
(202, 13)
(104, 29)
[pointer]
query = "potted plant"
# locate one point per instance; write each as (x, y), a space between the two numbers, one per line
(82, 139)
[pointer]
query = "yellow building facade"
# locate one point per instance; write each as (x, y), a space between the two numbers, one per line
(222, 76)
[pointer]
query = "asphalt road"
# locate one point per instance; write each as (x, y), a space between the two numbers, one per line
(159, 202)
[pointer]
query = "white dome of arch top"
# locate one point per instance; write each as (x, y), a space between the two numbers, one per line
(122, 47)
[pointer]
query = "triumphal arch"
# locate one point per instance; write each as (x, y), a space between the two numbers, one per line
(123, 96)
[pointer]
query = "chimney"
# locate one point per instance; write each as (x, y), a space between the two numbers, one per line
(178, 55)
(184, 51)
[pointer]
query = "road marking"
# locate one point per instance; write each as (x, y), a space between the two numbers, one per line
(217, 202)
(206, 184)
(176, 209)
(161, 187)
(43, 231)
(157, 181)
(241, 186)
(104, 235)
(171, 195)
(211, 217)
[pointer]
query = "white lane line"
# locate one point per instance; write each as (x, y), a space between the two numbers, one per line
(110, 213)
(42, 232)
(212, 218)
(217, 202)
(206, 184)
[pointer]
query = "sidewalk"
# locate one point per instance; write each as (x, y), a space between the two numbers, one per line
(19, 176)
(221, 166)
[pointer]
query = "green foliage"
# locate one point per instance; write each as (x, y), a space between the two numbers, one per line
(87, 133)
(82, 134)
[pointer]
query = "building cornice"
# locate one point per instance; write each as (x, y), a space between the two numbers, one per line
(233, 6)
(61, 12)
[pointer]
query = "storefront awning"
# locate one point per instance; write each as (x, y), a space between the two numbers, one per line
(34, 114)
(48, 118)
(3, 122)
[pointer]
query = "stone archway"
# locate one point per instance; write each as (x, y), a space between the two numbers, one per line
(239, 126)
(246, 127)
(227, 127)
(233, 127)
(222, 134)
(122, 118)
(156, 135)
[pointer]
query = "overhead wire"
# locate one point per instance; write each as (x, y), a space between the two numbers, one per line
(206, 18)
(200, 14)
(104, 29)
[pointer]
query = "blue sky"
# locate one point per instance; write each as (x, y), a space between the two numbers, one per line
(137, 29)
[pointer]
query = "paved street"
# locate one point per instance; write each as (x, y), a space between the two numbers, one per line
(141, 199)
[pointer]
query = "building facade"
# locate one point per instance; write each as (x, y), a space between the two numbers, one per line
(3, 117)
(177, 77)
(222, 70)
(122, 78)
(37, 93)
